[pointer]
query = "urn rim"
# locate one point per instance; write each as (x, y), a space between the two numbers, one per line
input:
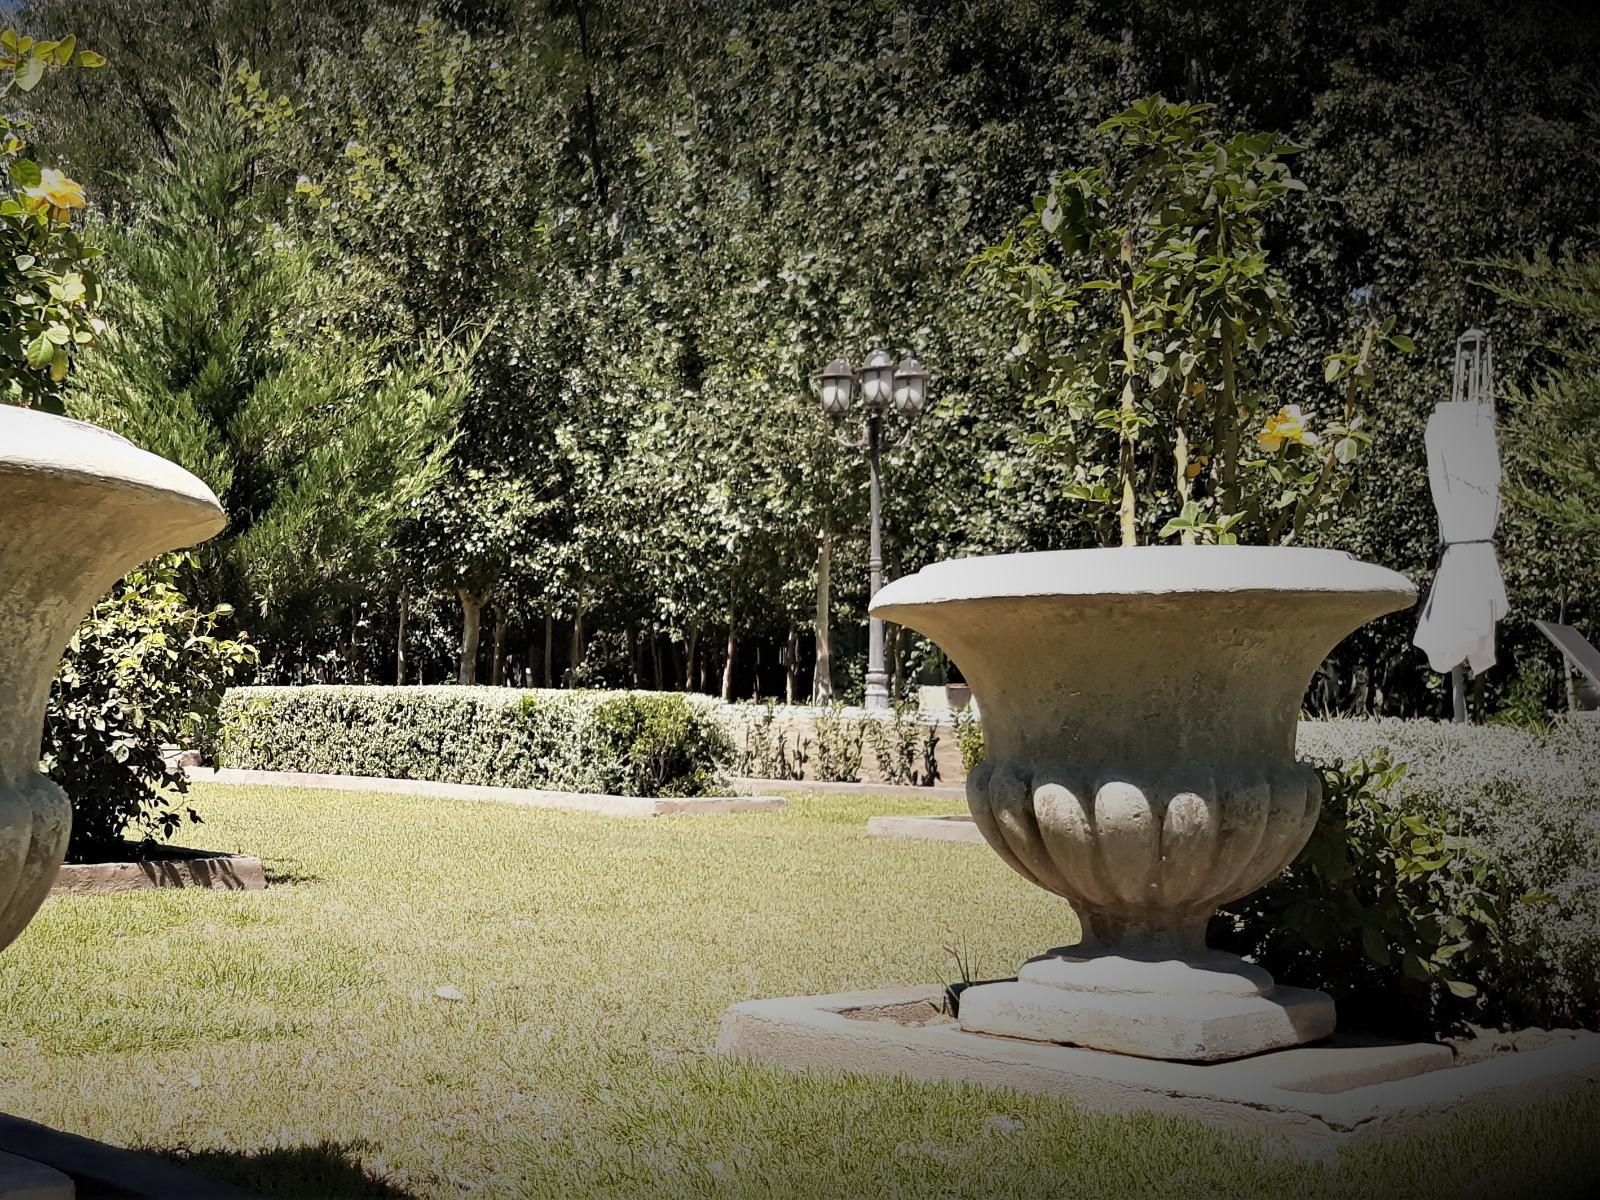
(1145, 571)
(34, 443)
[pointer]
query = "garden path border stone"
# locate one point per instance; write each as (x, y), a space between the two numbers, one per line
(829, 788)
(100, 1169)
(1308, 1100)
(611, 806)
(955, 827)
(178, 867)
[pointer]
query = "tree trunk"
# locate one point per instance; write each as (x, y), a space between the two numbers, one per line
(1180, 453)
(497, 674)
(471, 621)
(575, 657)
(655, 660)
(690, 660)
(897, 676)
(591, 119)
(355, 644)
(400, 640)
(727, 666)
(549, 642)
(1127, 507)
(791, 663)
(633, 657)
(822, 681)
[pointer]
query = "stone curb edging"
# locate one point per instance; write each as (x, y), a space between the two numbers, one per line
(187, 868)
(1250, 1095)
(826, 788)
(958, 828)
(611, 806)
(119, 1172)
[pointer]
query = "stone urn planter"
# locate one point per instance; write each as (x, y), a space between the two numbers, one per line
(79, 507)
(1139, 710)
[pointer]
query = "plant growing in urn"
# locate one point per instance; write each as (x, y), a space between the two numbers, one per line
(81, 505)
(1140, 702)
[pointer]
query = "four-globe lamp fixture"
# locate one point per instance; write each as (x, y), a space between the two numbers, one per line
(884, 385)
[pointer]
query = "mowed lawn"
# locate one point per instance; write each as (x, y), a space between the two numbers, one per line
(296, 1040)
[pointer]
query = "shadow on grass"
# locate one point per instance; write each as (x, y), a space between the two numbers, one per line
(285, 872)
(325, 1170)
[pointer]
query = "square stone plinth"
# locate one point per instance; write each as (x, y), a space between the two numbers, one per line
(1308, 1100)
(1187, 1028)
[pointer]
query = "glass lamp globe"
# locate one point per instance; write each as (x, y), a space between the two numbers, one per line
(877, 379)
(910, 387)
(838, 381)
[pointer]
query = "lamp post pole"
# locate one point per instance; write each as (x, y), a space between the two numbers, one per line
(883, 384)
(877, 677)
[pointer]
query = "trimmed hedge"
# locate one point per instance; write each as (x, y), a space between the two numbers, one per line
(629, 743)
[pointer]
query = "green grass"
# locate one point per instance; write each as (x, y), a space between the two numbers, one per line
(292, 1040)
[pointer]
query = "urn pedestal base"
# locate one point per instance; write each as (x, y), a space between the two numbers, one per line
(1207, 1008)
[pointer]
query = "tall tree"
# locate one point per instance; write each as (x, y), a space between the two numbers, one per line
(240, 350)
(1550, 436)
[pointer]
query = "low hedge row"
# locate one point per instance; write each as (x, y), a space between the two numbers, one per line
(629, 743)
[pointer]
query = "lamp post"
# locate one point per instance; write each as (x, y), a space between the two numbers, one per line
(884, 385)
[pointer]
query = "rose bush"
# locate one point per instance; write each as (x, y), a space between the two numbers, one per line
(48, 289)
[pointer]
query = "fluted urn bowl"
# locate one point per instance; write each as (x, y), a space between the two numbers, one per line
(1139, 709)
(79, 507)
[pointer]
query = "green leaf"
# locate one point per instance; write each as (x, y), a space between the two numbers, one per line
(40, 351)
(1333, 370)
(1402, 343)
(1374, 947)
(25, 173)
(90, 60)
(1461, 988)
(30, 73)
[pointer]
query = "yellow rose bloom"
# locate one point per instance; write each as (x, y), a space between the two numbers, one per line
(57, 191)
(1288, 424)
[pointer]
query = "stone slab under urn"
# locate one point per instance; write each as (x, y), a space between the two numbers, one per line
(1156, 1008)
(1307, 1101)
(81, 507)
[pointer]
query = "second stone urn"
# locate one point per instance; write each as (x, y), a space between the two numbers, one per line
(79, 507)
(1139, 711)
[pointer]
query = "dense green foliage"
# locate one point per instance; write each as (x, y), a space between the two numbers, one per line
(239, 350)
(661, 217)
(1555, 461)
(1148, 297)
(48, 288)
(146, 669)
(1389, 907)
(633, 745)
(1461, 887)
(663, 745)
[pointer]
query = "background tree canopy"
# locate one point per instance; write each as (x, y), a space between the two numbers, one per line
(652, 221)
